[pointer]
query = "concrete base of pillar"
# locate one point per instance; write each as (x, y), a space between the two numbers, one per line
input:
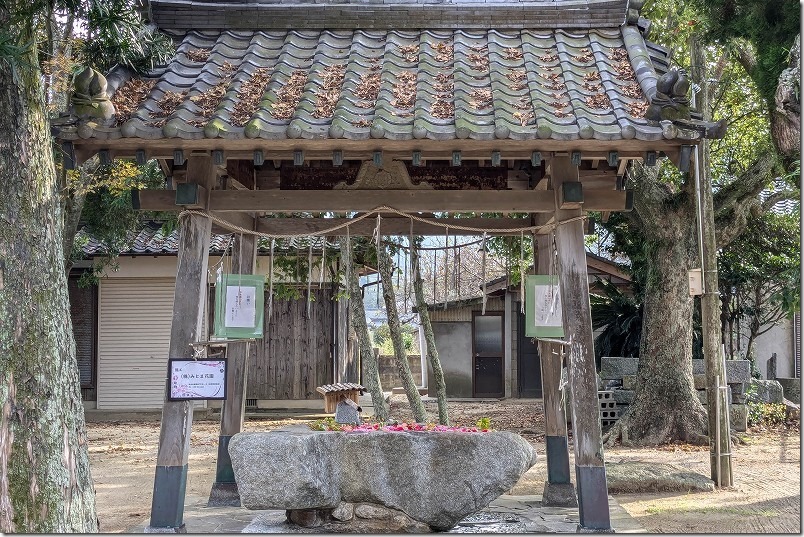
(559, 495)
(224, 495)
(152, 529)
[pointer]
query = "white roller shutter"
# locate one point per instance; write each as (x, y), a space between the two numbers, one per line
(134, 317)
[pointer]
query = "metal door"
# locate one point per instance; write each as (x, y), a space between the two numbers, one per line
(530, 368)
(488, 350)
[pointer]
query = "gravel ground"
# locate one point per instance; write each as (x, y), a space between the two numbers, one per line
(766, 497)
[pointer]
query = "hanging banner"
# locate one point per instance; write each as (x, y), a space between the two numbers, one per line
(239, 311)
(543, 315)
(196, 379)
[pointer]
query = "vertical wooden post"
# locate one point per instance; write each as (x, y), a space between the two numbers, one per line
(558, 489)
(590, 473)
(170, 481)
(716, 396)
(224, 490)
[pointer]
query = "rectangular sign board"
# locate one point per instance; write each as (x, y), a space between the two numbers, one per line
(196, 379)
(239, 306)
(543, 315)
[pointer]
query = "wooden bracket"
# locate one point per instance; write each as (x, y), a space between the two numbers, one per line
(68, 154)
(571, 195)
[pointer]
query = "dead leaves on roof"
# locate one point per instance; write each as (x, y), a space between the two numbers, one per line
(444, 52)
(513, 54)
(332, 76)
(584, 56)
(618, 54)
(289, 95)
(208, 100)
(410, 52)
(198, 54)
(598, 101)
(480, 99)
(368, 87)
(480, 61)
(524, 117)
(404, 91)
(621, 64)
(167, 104)
(128, 98)
(637, 109)
(249, 96)
(553, 81)
(443, 106)
(549, 57)
(442, 109)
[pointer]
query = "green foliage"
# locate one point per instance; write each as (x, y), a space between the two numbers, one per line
(116, 34)
(766, 414)
(768, 25)
(107, 214)
(382, 338)
(484, 423)
(511, 249)
(326, 424)
(620, 317)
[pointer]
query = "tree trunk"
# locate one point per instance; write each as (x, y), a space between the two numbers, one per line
(665, 406)
(385, 266)
(358, 317)
(786, 118)
(45, 481)
(432, 352)
(73, 205)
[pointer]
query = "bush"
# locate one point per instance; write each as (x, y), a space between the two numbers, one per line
(766, 414)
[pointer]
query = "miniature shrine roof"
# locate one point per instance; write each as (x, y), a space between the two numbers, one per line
(545, 74)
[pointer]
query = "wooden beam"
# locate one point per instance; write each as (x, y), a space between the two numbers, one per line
(590, 472)
(558, 489)
(224, 491)
(391, 225)
(189, 299)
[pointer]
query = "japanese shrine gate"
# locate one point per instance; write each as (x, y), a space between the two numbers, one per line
(418, 106)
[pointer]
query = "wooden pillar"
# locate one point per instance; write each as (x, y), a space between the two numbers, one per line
(590, 473)
(558, 489)
(170, 481)
(224, 490)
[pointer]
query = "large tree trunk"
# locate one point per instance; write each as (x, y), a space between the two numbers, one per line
(786, 118)
(45, 482)
(358, 316)
(385, 266)
(432, 352)
(665, 406)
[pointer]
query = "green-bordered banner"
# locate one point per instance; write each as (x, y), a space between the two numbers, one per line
(239, 311)
(543, 316)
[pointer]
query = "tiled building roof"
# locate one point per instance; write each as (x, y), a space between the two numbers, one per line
(531, 83)
(150, 240)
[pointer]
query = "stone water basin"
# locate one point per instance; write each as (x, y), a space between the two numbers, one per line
(430, 478)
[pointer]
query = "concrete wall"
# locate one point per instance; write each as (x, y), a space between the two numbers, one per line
(454, 345)
(778, 339)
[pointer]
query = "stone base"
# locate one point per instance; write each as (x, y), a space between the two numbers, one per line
(224, 495)
(152, 529)
(356, 518)
(559, 495)
(581, 529)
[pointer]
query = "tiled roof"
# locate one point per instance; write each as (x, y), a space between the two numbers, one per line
(399, 85)
(150, 240)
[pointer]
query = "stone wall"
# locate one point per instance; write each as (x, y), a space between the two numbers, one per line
(738, 374)
(389, 375)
